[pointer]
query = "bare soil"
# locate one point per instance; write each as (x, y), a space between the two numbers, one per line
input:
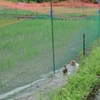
(45, 6)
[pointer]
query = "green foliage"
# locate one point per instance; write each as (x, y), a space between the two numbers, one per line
(39, 1)
(20, 0)
(93, 1)
(7, 14)
(55, 1)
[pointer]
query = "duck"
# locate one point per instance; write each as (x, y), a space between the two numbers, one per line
(73, 63)
(65, 69)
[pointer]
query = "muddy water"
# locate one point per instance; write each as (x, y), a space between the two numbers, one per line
(98, 95)
(32, 90)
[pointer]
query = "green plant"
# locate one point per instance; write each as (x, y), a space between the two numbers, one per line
(93, 1)
(55, 1)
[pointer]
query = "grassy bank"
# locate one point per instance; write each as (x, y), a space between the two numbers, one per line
(80, 85)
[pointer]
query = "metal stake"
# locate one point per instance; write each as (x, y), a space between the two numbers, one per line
(51, 15)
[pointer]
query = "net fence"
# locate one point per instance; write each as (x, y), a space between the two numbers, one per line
(26, 46)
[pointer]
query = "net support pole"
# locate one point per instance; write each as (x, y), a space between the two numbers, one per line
(84, 44)
(53, 51)
(99, 18)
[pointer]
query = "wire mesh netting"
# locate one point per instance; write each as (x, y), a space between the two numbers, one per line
(26, 46)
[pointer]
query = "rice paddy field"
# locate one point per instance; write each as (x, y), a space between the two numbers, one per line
(26, 46)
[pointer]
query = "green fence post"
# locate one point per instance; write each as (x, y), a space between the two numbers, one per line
(98, 18)
(51, 15)
(84, 44)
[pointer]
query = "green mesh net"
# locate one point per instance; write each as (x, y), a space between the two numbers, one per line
(26, 46)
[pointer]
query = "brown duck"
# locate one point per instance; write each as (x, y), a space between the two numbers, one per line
(65, 69)
(73, 62)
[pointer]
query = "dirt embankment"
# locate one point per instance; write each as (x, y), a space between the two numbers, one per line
(44, 5)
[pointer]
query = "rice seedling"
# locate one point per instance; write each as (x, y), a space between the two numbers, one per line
(26, 39)
(26, 47)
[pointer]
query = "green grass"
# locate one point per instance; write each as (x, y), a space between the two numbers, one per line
(9, 11)
(80, 85)
(5, 11)
(7, 15)
(7, 21)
